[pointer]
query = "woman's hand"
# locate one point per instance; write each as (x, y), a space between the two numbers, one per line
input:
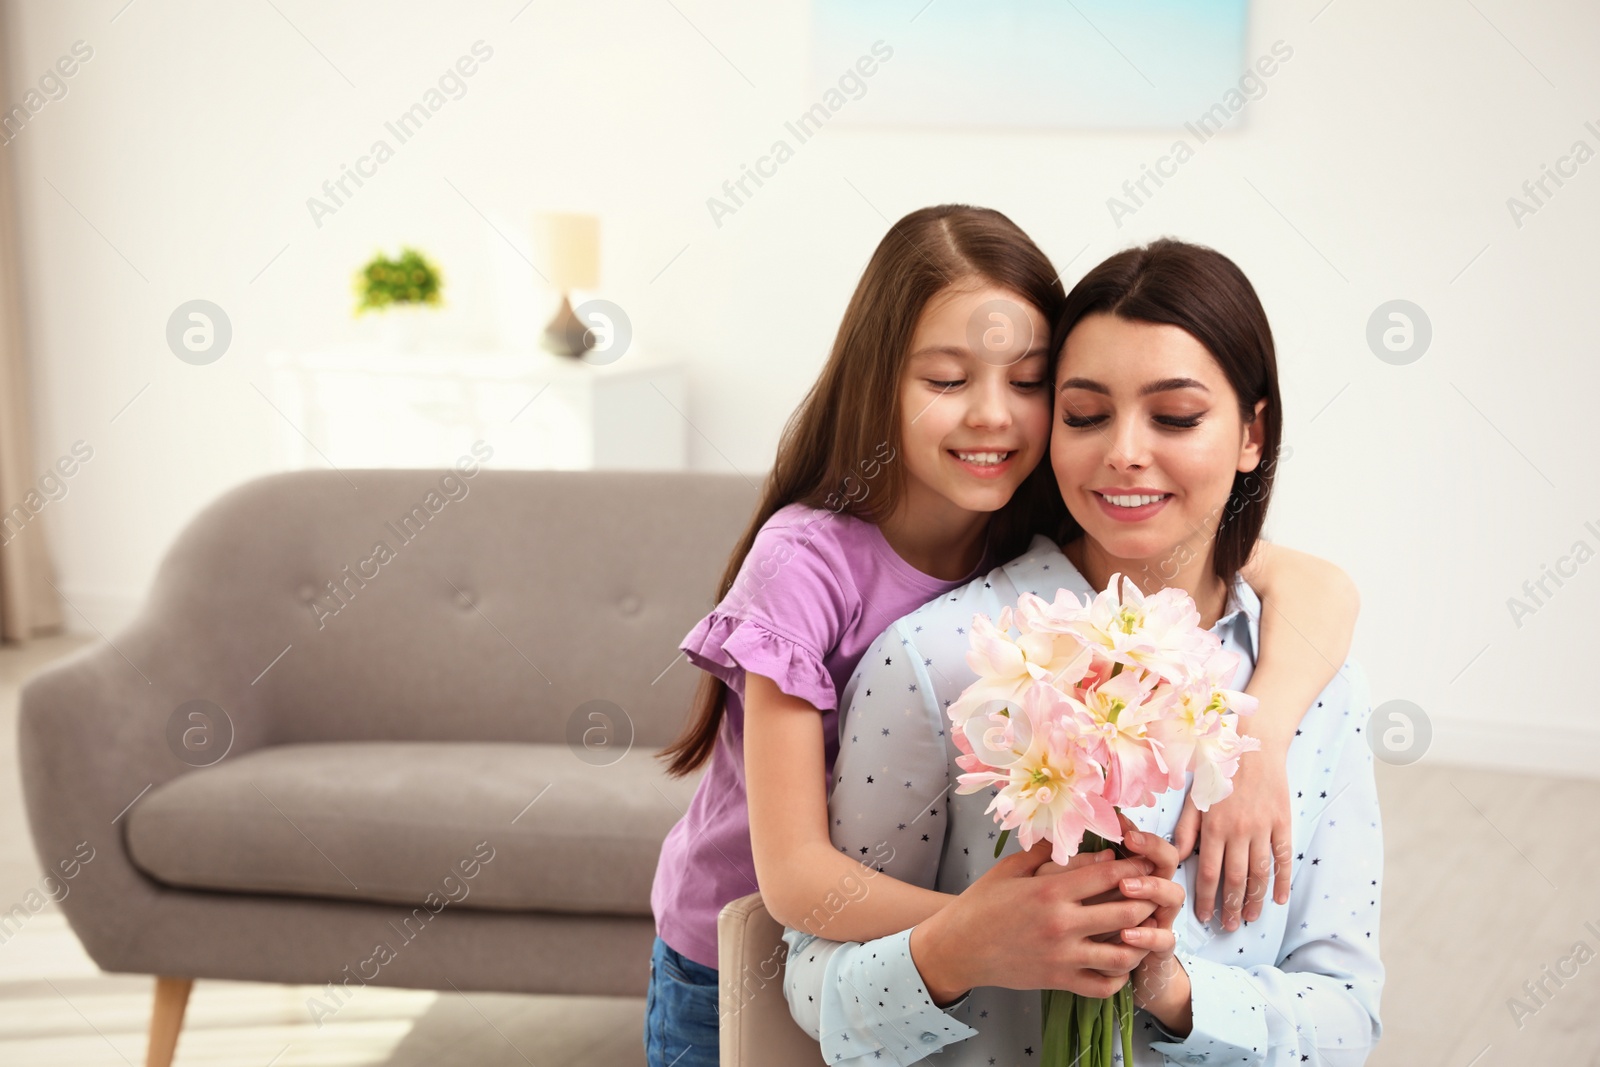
(1244, 834)
(1161, 856)
(1160, 984)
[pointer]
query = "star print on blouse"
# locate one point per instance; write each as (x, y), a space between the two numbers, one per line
(1238, 1018)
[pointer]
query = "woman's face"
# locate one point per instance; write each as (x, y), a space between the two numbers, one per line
(974, 399)
(1147, 437)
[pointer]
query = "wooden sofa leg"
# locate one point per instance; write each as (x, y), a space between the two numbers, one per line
(166, 1019)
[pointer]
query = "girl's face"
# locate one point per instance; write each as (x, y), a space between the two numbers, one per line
(974, 399)
(1147, 437)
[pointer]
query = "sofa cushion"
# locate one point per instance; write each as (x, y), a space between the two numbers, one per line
(500, 826)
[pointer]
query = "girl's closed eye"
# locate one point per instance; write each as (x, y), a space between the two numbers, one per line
(1027, 385)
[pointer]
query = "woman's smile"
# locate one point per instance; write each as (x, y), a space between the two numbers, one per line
(1130, 505)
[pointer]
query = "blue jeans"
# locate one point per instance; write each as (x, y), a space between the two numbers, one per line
(681, 1023)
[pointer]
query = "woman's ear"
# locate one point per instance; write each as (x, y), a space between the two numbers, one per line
(1253, 439)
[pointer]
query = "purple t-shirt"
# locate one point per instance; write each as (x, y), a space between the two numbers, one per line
(815, 591)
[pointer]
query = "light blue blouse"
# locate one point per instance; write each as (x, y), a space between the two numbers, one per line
(1299, 985)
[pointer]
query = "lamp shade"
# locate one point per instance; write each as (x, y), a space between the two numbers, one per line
(569, 244)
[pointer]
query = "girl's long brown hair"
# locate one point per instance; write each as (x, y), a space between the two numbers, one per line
(1204, 293)
(851, 416)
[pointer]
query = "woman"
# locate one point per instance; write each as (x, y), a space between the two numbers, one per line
(1167, 415)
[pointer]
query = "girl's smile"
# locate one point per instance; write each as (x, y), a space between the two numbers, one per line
(984, 463)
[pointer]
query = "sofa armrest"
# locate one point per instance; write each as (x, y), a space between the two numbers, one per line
(93, 739)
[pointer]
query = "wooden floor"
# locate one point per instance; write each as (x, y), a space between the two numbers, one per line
(1490, 879)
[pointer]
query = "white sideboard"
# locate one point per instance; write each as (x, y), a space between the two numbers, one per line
(368, 406)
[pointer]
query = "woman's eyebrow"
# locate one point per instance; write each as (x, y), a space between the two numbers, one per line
(1160, 386)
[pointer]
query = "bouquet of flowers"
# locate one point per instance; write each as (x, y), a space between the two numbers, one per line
(1087, 709)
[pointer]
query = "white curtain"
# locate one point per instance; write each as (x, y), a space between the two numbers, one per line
(29, 605)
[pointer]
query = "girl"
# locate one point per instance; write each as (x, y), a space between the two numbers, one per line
(1167, 386)
(911, 466)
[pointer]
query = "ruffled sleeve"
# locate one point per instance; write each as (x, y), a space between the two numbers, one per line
(726, 647)
(785, 612)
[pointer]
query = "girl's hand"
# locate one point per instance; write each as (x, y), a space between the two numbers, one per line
(1245, 833)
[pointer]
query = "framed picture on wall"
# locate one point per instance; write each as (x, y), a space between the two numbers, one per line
(1024, 64)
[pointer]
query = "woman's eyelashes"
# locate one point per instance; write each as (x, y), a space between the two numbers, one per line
(1171, 422)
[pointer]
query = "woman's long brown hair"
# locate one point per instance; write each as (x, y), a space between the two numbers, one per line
(851, 416)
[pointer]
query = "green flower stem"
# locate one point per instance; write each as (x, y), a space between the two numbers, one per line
(1084, 1008)
(1061, 1006)
(1125, 1003)
(1108, 1029)
(1057, 1029)
(1085, 1028)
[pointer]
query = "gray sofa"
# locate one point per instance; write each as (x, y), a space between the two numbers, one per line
(312, 760)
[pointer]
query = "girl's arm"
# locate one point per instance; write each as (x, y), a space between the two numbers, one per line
(1308, 618)
(1308, 615)
(805, 881)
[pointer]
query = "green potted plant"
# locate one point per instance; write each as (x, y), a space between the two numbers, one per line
(401, 289)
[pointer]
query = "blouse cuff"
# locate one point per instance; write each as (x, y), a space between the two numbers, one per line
(1230, 1018)
(897, 1021)
(727, 648)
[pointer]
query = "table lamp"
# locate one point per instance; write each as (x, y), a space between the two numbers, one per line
(570, 244)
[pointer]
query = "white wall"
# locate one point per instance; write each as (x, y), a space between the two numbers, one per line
(192, 139)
